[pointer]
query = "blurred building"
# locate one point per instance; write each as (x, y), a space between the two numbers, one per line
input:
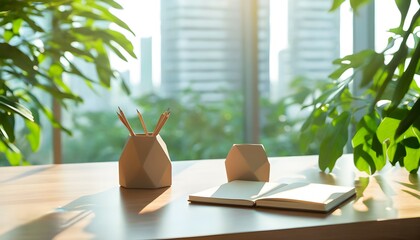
(202, 47)
(313, 42)
(146, 82)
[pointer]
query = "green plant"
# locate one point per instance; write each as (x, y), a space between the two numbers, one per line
(105, 133)
(42, 43)
(282, 120)
(386, 112)
(195, 130)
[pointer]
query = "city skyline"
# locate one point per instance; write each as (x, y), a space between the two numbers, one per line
(313, 43)
(203, 47)
(144, 18)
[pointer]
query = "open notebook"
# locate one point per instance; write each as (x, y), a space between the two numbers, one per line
(302, 196)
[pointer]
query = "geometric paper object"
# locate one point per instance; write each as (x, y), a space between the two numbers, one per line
(145, 163)
(247, 162)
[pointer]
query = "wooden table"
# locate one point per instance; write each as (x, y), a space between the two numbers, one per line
(84, 201)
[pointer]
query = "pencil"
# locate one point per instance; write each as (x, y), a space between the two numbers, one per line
(157, 125)
(142, 123)
(127, 124)
(161, 122)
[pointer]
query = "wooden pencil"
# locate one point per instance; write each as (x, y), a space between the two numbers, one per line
(127, 124)
(161, 122)
(157, 125)
(142, 123)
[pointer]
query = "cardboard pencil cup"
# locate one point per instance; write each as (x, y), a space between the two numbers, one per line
(145, 163)
(247, 162)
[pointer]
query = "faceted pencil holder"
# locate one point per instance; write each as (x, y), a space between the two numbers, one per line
(247, 162)
(145, 163)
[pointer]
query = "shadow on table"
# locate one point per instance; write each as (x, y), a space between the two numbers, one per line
(412, 185)
(27, 173)
(109, 213)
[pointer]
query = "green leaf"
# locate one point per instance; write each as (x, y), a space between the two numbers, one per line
(15, 107)
(413, 116)
(403, 84)
(13, 157)
(16, 25)
(366, 126)
(363, 160)
(368, 148)
(359, 136)
(355, 4)
(56, 93)
(85, 54)
(124, 85)
(404, 150)
(397, 31)
(20, 59)
(74, 70)
(333, 144)
(336, 4)
(374, 64)
(351, 62)
(112, 18)
(34, 135)
(122, 41)
(403, 6)
(112, 4)
(411, 142)
(116, 51)
(412, 160)
(8, 35)
(398, 57)
(7, 123)
(107, 36)
(379, 79)
(396, 154)
(55, 70)
(8, 145)
(102, 65)
(379, 149)
(32, 23)
(312, 126)
(48, 113)
(387, 128)
(385, 133)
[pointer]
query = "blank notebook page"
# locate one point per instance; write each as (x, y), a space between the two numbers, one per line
(308, 192)
(239, 190)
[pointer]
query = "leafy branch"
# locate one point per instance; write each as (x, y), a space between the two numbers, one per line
(44, 45)
(386, 112)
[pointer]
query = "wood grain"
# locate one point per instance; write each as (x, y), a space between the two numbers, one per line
(84, 201)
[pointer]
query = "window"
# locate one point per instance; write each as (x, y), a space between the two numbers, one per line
(195, 58)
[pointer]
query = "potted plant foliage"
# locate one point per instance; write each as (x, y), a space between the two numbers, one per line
(40, 43)
(388, 102)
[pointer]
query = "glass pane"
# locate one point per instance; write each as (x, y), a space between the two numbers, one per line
(304, 40)
(191, 60)
(98, 135)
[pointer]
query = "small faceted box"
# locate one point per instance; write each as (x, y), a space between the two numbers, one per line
(247, 162)
(145, 163)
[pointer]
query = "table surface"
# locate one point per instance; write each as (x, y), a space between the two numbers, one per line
(85, 201)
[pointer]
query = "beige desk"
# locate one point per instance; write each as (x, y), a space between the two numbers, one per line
(84, 201)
